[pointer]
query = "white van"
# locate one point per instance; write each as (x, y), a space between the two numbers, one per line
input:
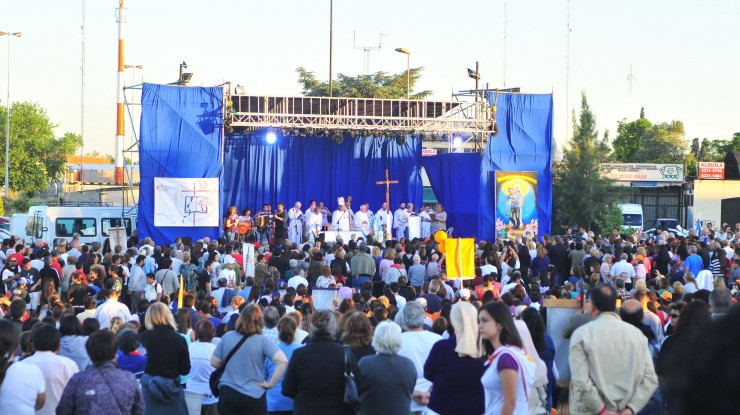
(91, 221)
(18, 224)
(633, 218)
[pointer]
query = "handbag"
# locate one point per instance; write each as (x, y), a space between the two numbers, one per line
(351, 395)
(215, 377)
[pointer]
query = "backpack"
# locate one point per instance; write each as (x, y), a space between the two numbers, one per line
(527, 365)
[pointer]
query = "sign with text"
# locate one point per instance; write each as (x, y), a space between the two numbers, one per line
(638, 172)
(428, 152)
(711, 170)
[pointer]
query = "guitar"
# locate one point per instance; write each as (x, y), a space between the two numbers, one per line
(244, 227)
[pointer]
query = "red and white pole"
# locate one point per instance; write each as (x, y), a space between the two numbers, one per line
(119, 97)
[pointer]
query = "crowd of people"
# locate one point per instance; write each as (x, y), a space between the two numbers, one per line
(143, 329)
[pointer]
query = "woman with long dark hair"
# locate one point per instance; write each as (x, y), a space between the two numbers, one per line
(510, 372)
(22, 387)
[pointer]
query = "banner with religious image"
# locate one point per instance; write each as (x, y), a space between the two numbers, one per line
(516, 203)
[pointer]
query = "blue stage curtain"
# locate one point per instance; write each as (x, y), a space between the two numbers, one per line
(303, 168)
(454, 180)
(524, 143)
(180, 137)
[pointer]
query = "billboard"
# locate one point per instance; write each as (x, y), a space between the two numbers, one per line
(643, 172)
(711, 170)
(516, 203)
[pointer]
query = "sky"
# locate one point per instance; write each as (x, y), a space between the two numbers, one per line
(683, 54)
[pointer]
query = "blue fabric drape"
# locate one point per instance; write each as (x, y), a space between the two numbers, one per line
(454, 180)
(181, 131)
(524, 143)
(303, 168)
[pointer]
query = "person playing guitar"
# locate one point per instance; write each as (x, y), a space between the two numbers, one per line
(245, 224)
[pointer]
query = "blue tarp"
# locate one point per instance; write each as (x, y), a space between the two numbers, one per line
(524, 143)
(454, 180)
(303, 168)
(180, 137)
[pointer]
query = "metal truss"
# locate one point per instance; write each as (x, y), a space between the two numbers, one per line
(358, 115)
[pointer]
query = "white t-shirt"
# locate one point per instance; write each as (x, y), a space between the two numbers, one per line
(22, 383)
(57, 371)
(200, 370)
(152, 291)
(229, 275)
(416, 345)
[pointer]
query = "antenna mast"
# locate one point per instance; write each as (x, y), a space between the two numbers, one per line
(367, 50)
(567, 78)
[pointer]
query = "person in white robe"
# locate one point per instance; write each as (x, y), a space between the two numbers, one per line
(325, 213)
(314, 224)
(401, 222)
(362, 222)
(307, 215)
(426, 222)
(383, 223)
(341, 217)
(400, 219)
(295, 224)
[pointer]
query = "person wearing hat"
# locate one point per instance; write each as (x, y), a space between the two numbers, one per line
(228, 273)
(20, 290)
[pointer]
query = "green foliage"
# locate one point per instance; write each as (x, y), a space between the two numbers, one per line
(580, 192)
(19, 204)
(377, 85)
(37, 157)
(608, 218)
(714, 150)
(663, 143)
(629, 139)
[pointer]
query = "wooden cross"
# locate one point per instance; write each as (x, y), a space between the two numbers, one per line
(387, 184)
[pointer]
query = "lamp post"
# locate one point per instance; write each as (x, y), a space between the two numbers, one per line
(408, 70)
(7, 115)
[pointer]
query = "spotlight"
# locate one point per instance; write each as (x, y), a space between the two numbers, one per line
(352, 133)
(284, 132)
(365, 133)
(239, 90)
(337, 137)
(443, 137)
(271, 137)
(294, 132)
(457, 141)
(401, 140)
(434, 135)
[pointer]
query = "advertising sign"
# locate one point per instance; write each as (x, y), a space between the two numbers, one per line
(637, 172)
(711, 170)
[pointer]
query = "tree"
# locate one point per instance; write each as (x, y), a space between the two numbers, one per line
(580, 192)
(663, 143)
(377, 85)
(37, 157)
(629, 139)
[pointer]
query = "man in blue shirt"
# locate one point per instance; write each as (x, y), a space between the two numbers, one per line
(693, 262)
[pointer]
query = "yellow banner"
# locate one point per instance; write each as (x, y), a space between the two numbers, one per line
(460, 257)
(180, 294)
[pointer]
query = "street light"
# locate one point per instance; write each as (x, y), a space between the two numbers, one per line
(7, 115)
(408, 70)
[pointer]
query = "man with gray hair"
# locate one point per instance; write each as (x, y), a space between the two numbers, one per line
(380, 393)
(720, 300)
(416, 343)
(694, 262)
(271, 318)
